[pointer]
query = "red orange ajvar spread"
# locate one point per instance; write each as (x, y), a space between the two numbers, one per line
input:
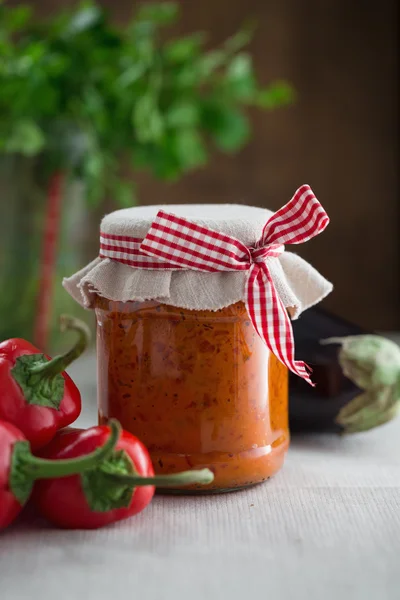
(199, 388)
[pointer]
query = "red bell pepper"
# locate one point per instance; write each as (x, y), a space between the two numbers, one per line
(37, 396)
(121, 486)
(19, 468)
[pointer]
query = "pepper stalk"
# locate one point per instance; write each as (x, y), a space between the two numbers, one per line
(26, 468)
(112, 485)
(41, 379)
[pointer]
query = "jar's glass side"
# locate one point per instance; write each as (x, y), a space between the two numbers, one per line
(199, 388)
(22, 241)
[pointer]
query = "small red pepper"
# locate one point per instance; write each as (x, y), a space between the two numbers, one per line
(19, 468)
(37, 396)
(121, 486)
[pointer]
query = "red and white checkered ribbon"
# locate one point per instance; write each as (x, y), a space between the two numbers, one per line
(176, 243)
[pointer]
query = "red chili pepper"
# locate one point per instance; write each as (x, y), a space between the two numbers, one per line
(121, 486)
(19, 468)
(37, 396)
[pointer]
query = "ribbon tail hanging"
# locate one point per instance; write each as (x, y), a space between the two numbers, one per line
(270, 319)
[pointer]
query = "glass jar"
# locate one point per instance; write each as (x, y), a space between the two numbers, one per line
(198, 384)
(198, 387)
(22, 247)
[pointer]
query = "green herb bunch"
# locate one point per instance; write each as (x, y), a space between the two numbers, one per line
(87, 97)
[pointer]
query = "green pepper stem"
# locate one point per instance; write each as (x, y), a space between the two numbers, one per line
(41, 468)
(200, 476)
(58, 364)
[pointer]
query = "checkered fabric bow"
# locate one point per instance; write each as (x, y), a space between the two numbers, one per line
(176, 243)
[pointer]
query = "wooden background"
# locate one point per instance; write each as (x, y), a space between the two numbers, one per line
(341, 137)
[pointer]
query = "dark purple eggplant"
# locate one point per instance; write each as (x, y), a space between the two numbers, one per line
(316, 409)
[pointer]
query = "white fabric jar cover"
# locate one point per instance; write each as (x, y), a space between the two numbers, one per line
(298, 284)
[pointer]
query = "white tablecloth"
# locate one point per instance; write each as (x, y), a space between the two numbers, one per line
(327, 527)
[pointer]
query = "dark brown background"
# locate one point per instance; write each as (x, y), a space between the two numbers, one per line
(341, 137)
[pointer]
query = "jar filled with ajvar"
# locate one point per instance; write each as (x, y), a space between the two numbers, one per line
(180, 362)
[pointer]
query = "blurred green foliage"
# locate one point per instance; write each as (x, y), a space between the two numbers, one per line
(88, 96)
